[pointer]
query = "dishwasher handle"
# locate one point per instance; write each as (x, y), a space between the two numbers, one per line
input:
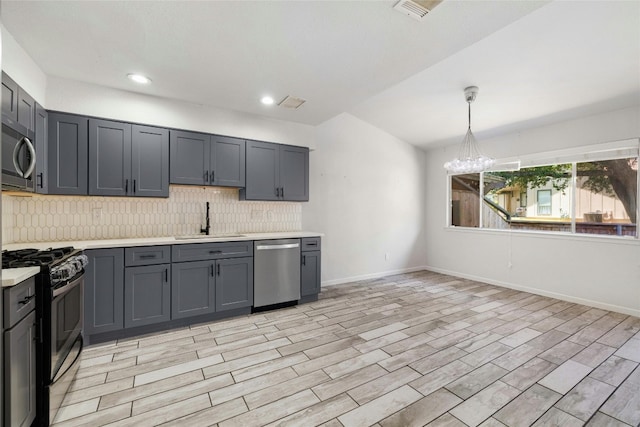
(286, 246)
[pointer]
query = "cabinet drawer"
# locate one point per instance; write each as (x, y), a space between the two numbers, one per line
(147, 255)
(19, 300)
(205, 251)
(310, 244)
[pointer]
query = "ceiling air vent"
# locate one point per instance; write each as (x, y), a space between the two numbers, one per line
(291, 102)
(417, 9)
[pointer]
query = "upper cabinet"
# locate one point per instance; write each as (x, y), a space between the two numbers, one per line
(42, 150)
(18, 107)
(276, 172)
(201, 159)
(68, 142)
(128, 160)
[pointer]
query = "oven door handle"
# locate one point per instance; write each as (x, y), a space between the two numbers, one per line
(74, 360)
(68, 287)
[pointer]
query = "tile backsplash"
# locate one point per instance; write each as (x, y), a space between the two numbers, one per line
(57, 218)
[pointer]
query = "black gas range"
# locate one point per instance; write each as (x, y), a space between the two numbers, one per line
(59, 319)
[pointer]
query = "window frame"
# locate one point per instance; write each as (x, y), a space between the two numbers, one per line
(628, 148)
(550, 206)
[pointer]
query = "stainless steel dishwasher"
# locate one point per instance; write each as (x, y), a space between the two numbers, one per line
(276, 271)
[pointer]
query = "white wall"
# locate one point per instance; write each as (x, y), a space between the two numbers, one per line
(83, 98)
(599, 271)
(20, 67)
(367, 195)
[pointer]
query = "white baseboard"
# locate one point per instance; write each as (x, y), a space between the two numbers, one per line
(372, 276)
(563, 297)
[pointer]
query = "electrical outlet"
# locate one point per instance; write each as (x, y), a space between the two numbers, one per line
(97, 214)
(387, 256)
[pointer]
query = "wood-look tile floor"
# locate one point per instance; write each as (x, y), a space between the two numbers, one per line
(407, 350)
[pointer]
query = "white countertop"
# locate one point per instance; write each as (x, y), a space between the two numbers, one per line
(155, 241)
(13, 276)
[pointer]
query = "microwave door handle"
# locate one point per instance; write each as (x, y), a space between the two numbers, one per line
(16, 153)
(32, 152)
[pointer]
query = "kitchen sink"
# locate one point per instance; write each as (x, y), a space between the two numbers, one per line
(210, 236)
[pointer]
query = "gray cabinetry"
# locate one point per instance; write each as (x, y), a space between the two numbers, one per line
(201, 159)
(109, 158)
(147, 293)
(227, 162)
(9, 98)
(42, 150)
(128, 160)
(234, 283)
(192, 289)
(310, 264)
(211, 277)
(26, 110)
(149, 161)
(104, 291)
(276, 172)
(68, 142)
(147, 285)
(19, 355)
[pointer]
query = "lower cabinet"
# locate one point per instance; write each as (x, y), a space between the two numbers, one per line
(234, 283)
(310, 273)
(19, 376)
(104, 291)
(193, 288)
(147, 295)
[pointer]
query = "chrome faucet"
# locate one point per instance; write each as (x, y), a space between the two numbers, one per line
(207, 227)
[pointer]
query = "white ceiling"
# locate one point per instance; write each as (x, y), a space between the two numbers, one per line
(535, 62)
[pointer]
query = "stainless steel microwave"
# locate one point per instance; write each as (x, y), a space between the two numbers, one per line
(18, 157)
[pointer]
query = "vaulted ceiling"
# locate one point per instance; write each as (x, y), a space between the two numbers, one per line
(535, 62)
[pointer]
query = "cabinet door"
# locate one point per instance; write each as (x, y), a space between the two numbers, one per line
(310, 273)
(192, 289)
(109, 158)
(234, 283)
(42, 150)
(104, 291)
(68, 151)
(227, 161)
(263, 164)
(294, 173)
(189, 158)
(26, 110)
(9, 98)
(150, 161)
(147, 293)
(20, 373)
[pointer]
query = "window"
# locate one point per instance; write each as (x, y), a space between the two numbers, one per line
(544, 202)
(523, 199)
(586, 191)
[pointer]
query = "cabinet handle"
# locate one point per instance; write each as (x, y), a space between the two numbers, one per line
(206, 176)
(126, 185)
(312, 244)
(215, 252)
(26, 299)
(166, 275)
(150, 256)
(212, 270)
(213, 176)
(218, 269)
(41, 178)
(282, 192)
(134, 186)
(304, 260)
(277, 192)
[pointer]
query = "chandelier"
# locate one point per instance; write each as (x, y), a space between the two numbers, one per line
(470, 159)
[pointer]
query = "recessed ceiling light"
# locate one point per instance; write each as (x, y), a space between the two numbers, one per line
(267, 100)
(139, 78)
